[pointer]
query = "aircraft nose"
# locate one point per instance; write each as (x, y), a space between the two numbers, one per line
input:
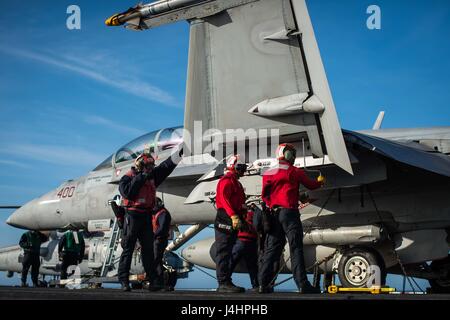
(21, 218)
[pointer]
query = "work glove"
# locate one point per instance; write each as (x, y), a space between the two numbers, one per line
(177, 153)
(321, 179)
(236, 222)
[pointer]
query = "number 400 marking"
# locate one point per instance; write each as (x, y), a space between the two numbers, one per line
(66, 192)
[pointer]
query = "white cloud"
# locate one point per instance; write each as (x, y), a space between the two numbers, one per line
(97, 120)
(130, 85)
(60, 155)
(14, 163)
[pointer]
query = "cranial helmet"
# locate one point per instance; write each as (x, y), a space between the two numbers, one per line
(144, 161)
(235, 164)
(286, 152)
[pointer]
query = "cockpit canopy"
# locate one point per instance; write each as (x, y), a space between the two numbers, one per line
(154, 142)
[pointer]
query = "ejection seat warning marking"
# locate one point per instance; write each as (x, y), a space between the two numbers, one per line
(98, 179)
(224, 311)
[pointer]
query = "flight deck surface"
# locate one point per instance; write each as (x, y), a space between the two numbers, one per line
(17, 293)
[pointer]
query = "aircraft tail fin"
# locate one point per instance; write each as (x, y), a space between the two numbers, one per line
(379, 121)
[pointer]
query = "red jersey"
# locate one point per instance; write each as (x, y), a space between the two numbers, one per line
(281, 185)
(230, 195)
(250, 234)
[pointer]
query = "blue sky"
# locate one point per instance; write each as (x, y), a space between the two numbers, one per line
(69, 98)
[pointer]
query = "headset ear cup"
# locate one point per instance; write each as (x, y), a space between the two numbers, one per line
(240, 167)
(289, 155)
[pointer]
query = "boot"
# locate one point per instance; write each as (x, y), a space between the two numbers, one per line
(307, 288)
(229, 287)
(23, 284)
(125, 286)
(153, 286)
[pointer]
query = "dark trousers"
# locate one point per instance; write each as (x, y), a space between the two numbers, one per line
(159, 246)
(224, 246)
(138, 226)
(68, 259)
(286, 224)
(248, 250)
(31, 259)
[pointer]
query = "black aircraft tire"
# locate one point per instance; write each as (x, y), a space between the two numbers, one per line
(437, 285)
(353, 269)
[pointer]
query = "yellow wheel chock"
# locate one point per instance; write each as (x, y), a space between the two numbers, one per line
(373, 290)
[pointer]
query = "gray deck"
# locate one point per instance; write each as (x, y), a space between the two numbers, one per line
(17, 293)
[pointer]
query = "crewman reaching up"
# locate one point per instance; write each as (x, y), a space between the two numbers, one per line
(281, 193)
(138, 189)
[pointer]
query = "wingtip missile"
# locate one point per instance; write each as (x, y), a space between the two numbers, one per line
(133, 17)
(113, 21)
(120, 19)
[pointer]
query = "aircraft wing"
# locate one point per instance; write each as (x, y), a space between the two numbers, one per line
(256, 66)
(253, 64)
(10, 248)
(410, 153)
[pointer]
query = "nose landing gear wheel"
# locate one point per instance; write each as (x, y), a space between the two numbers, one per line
(356, 268)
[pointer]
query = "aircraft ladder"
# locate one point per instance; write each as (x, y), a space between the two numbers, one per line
(112, 246)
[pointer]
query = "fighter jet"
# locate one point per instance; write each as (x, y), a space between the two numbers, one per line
(254, 65)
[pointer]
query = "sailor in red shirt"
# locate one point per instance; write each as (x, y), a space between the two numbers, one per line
(281, 193)
(230, 204)
(246, 248)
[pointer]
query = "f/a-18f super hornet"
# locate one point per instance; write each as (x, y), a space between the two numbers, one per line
(253, 65)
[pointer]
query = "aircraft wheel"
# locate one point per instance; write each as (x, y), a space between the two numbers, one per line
(355, 266)
(441, 285)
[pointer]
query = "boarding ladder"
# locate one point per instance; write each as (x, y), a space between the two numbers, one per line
(112, 246)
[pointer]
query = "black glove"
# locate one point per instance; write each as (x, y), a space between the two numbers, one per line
(180, 153)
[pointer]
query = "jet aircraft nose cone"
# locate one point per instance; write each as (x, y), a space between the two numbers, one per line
(20, 218)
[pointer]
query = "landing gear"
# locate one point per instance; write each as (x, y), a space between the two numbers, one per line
(442, 284)
(357, 266)
(170, 279)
